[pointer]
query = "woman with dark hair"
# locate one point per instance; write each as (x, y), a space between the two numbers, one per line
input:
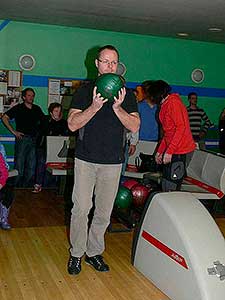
(222, 132)
(177, 139)
(55, 125)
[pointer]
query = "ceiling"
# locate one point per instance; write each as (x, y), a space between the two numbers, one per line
(150, 17)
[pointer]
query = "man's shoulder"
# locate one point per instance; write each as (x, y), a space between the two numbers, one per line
(37, 108)
(83, 95)
(196, 108)
(17, 106)
(200, 109)
(129, 92)
(14, 109)
(86, 85)
(85, 89)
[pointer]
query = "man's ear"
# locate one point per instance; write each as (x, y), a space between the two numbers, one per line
(96, 63)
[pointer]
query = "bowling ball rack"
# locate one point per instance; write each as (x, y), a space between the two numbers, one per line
(125, 220)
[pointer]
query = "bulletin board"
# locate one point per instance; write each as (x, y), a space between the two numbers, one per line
(62, 90)
(10, 88)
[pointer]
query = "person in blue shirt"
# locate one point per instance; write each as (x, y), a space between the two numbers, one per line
(149, 128)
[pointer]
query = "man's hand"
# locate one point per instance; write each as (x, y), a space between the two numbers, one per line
(158, 158)
(131, 150)
(98, 100)
(121, 96)
(19, 135)
(167, 158)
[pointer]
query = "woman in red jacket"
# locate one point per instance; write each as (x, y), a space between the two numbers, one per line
(177, 139)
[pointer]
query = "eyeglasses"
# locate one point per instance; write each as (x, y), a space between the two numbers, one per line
(106, 62)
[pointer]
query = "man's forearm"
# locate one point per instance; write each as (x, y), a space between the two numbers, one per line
(7, 124)
(129, 121)
(78, 119)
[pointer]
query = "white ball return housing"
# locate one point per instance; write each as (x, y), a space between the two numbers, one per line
(179, 247)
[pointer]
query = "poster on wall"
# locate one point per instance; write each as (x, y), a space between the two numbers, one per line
(54, 87)
(10, 88)
(1, 104)
(14, 78)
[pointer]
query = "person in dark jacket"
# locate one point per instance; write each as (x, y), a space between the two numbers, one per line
(54, 125)
(177, 140)
(28, 117)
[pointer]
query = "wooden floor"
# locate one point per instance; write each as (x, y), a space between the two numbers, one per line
(34, 255)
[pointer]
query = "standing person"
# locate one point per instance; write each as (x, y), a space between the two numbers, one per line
(129, 148)
(222, 132)
(149, 129)
(131, 141)
(55, 125)
(99, 155)
(199, 121)
(27, 117)
(177, 139)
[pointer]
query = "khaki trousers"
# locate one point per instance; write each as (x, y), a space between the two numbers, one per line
(102, 180)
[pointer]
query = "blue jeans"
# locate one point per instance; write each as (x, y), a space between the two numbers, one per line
(25, 161)
(41, 166)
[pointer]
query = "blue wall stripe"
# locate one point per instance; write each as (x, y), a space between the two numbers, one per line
(4, 24)
(202, 92)
(42, 81)
(185, 90)
(8, 142)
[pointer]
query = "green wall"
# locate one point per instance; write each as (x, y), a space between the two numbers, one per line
(61, 51)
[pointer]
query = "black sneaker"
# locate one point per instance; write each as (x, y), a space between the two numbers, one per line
(97, 262)
(74, 265)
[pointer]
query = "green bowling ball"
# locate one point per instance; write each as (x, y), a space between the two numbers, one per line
(124, 198)
(108, 85)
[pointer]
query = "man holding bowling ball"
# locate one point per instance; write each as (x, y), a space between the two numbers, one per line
(98, 161)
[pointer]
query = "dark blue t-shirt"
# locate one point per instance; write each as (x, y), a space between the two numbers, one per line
(149, 128)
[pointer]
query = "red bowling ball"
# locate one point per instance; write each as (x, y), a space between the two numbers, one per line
(129, 183)
(140, 194)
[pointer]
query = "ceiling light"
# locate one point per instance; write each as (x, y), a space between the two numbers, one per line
(182, 34)
(215, 29)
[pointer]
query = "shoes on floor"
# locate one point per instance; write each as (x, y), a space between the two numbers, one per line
(37, 188)
(97, 262)
(74, 265)
(4, 213)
